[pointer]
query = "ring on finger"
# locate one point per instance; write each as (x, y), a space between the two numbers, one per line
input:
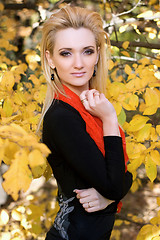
(85, 99)
(89, 205)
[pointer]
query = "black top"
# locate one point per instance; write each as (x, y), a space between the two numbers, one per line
(77, 162)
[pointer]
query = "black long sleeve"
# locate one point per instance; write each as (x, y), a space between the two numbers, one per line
(64, 130)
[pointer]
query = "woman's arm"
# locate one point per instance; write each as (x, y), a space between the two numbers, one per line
(91, 200)
(64, 130)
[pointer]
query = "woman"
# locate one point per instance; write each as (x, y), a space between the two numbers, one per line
(80, 127)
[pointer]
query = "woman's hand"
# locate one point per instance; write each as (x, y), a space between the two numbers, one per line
(91, 200)
(98, 105)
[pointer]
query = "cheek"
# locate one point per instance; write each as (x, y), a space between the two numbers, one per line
(62, 67)
(91, 62)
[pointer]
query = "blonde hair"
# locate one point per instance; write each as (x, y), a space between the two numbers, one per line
(72, 17)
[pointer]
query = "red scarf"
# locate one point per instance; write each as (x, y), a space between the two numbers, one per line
(94, 125)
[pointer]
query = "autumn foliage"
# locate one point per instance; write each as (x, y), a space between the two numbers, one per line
(133, 86)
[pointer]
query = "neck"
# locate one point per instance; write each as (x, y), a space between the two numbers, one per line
(77, 89)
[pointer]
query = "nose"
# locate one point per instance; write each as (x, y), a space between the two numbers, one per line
(78, 61)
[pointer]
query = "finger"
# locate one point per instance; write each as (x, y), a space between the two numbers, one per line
(90, 96)
(84, 99)
(92, 209)
(87, 199)
(85, 192)
(85, 205)
(83, 95)
(96, 96)
(91, 206)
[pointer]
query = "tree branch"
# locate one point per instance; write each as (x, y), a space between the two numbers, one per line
(123, 13)
(20, 6)
(121, 217)
(136, 44)
(119, 22)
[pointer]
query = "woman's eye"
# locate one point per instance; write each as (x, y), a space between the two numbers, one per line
(65, 54)
(89, 51)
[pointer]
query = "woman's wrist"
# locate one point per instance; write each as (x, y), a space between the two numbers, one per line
(110, 126)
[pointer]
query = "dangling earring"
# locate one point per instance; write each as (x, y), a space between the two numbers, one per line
(94, 73)
(52, 77)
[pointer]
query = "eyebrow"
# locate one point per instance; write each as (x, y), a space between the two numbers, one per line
(69, 49)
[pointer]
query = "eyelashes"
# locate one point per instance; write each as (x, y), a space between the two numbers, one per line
(67, 53)
(89, 51)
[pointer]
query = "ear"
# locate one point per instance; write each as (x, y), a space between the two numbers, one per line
(98, 52)
(50, 59)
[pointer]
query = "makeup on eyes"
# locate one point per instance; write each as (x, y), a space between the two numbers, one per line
(68, 51)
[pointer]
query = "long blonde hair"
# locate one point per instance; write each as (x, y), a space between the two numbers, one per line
(72, 17)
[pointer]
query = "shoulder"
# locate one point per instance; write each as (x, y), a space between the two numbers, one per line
(61, 112)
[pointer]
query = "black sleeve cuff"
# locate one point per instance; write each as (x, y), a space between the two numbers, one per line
(113, 143)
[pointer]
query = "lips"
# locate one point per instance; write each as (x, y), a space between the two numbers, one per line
(78, 74)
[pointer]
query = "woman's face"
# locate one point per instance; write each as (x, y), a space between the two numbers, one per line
(74, 57)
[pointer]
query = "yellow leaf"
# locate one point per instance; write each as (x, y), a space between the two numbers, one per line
(3, 66)
(134, 164)
(34, 79)
(20, 69)
(158, 129)
(146, 229)
(4, 217)
(155, 220)
(1, 7)
(131, 102)
(158, 201)
(19, 168)
(48, 172)
(10, 148)
(8, 80)
(118, 222)
(37, 163)
(155, 231)
(131, 84)
(151, 169)
(117, 107)
(144, 133)
(7, 108)
(156, 62)
(16, 215)
(153, 135)
(125, 53)
(156, 238)
(43, 148)
(135, 150)
(137, 123)
(6, 236)
(151, 97)
(134, 186)
(128, 69)
(123, 28)
(1, 150)
(144, 61)
(116, 234)
(116, 88)
(125, 44)
(155, 156)
(148, 13)
(150, 110)
(111, 64)
(4, 43)
(122, 117)
(20, 98)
